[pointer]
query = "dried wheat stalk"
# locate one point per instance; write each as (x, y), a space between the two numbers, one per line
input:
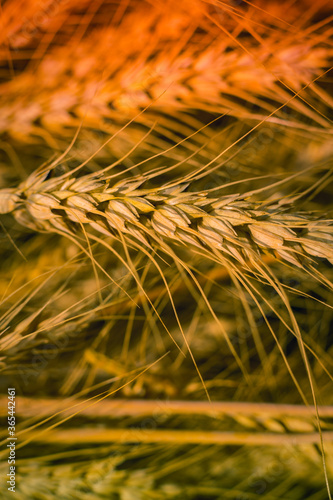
(116, 408)
(90, 435)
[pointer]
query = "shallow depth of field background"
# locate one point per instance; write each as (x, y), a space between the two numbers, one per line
(238, 96)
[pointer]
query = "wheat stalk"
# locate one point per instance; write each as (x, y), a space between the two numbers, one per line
(87, 435)
(116, 408)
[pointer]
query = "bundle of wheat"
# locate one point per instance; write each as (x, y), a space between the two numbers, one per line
(175, 247)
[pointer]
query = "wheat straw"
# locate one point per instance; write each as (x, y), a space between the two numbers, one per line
(87, 435)
(115, 408)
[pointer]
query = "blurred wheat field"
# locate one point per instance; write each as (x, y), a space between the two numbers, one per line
(166, 249)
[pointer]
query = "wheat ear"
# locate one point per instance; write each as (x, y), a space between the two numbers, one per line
(233, 225)
(215, 79)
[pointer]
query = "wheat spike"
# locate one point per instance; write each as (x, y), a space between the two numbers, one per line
(217, 80)
(233, 224)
